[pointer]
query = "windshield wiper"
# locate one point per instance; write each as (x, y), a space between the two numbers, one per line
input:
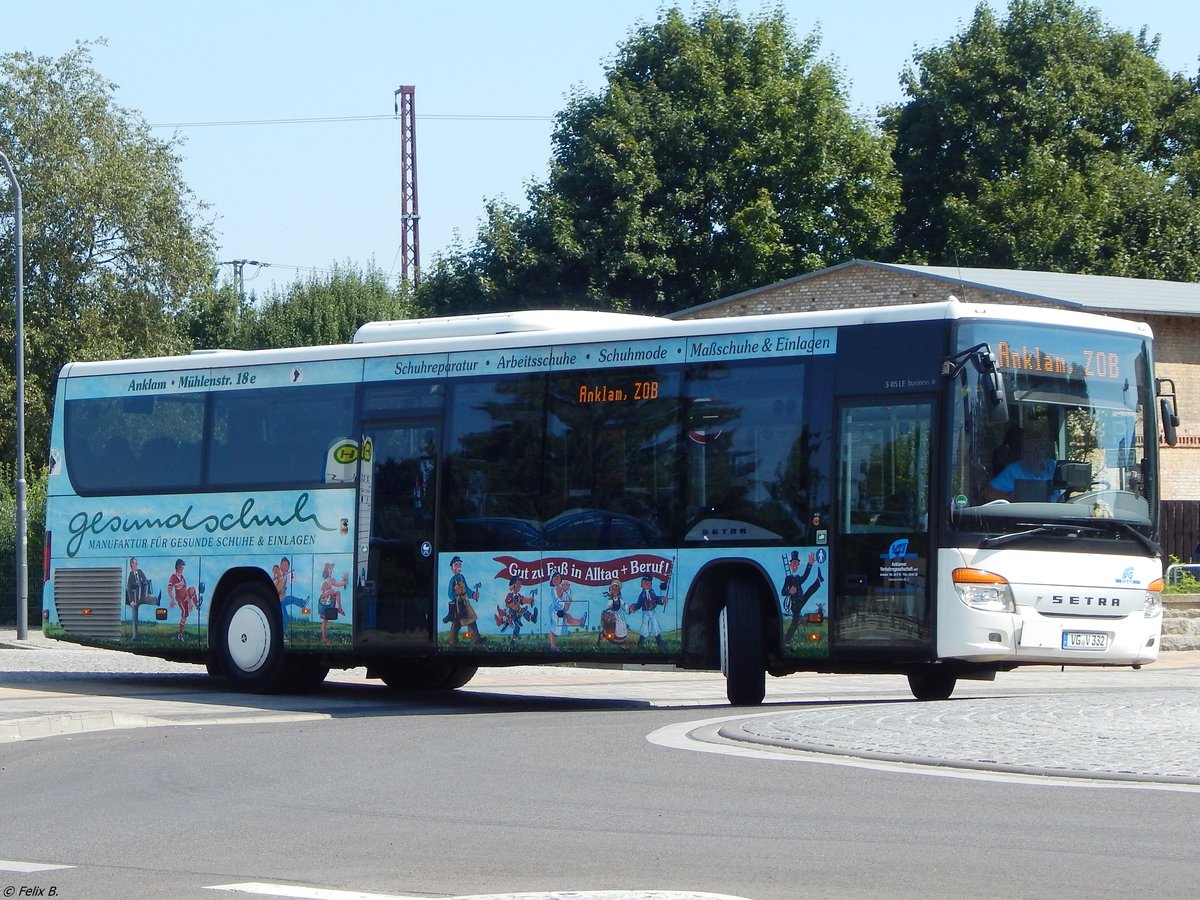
(1125, 528)
(1014, 537)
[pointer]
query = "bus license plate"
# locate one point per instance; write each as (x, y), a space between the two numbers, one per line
(1084, 640)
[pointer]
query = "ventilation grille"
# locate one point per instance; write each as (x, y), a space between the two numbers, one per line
(89, 601)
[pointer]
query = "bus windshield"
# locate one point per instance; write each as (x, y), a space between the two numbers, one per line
(1074, 447)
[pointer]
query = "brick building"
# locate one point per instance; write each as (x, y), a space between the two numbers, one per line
(1172, 309)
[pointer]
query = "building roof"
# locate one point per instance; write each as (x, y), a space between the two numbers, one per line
(1106, 293)
(1093, 293)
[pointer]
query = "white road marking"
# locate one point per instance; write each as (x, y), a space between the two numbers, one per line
(307, 893)
(295, 890)
(8, 865)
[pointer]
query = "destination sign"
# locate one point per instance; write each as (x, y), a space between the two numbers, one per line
(618, 393)
(1059, 365)
(1090, 362)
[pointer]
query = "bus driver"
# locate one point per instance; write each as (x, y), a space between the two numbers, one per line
(1029, 477)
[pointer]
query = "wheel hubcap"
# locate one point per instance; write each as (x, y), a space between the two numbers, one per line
(249, 638)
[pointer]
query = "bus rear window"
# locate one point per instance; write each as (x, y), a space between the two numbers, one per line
(256, 439)
(134, 444)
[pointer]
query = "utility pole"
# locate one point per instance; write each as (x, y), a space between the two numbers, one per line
(239, 274)
(410, 218)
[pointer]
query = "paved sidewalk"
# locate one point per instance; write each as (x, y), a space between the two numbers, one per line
(1120, 724)
(1134, 734)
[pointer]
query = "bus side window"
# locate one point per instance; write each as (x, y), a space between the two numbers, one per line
(116, 465)
(160, 460)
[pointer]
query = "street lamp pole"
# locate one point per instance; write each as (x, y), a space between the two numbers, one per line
(22, 512)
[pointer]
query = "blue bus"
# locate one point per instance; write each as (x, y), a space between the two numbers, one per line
(829, 491)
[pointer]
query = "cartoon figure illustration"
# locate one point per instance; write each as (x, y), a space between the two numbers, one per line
(613, 627)
(284, 577)
(137, 592)
(795, 595)
(560, 610)
(649, 603)
(182, 596)
(461, 613)
(330, 600)
(517, 607)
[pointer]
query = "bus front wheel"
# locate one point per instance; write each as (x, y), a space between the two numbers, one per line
(743, 660)
(935, 685)
(250, 640)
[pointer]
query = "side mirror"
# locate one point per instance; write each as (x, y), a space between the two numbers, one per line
(997, 406)
(990, 378)
(993, 384)
(1170, 421)
(1165, 389)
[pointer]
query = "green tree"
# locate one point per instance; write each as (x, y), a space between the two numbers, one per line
(1048, 140)
(35, 506)
(720, 155)
(324, 309)
(113, 241)
(500, 272)
(218, 319)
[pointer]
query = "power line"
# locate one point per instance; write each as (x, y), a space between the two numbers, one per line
(337, 120)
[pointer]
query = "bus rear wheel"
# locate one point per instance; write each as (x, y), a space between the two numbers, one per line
(743, 659)
(250, 640)
(935, 685)
(434, 676)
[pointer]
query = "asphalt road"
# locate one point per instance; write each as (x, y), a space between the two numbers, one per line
(1141, 725)
(574, 783)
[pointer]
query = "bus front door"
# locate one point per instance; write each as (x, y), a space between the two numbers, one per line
(395, 560)
(882, 542)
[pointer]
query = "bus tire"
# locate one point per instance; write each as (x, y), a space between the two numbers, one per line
(250, 640)
(432, 676)
(743, 660)
(302, 675)
(931, 684)
(459, 675)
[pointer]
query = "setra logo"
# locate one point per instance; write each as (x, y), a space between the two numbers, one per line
(1127, 577)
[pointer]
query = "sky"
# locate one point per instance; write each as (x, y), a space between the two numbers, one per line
(315, 181)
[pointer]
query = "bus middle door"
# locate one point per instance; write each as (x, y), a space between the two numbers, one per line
(882, 543)
(395, 559)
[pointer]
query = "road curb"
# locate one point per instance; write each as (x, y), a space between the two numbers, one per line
(59, 724)
(69, 723)
(734, 731)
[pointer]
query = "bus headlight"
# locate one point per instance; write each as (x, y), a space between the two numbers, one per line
(1152, 606)
(980, 589)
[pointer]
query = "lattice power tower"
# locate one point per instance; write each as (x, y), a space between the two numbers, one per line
(410, 218)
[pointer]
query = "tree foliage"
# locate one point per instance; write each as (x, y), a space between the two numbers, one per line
(326, 309)
(1047, 140)
(720, 156)
(113, 244)
(322, 309)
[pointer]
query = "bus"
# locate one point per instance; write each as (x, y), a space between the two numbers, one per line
(830, 491)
